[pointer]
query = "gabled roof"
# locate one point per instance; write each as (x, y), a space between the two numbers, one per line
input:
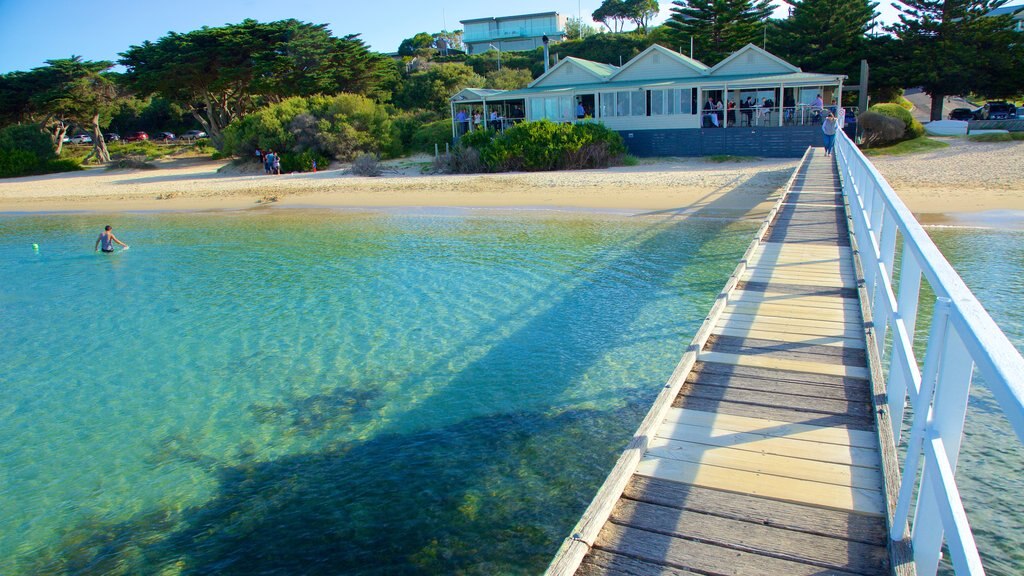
(696, 65)
(600, 71)
(748, 48)
(1008, 10)
(475, 94)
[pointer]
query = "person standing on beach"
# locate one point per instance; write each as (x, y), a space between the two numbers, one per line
(277, 164)
(268, 162)
(828, 130)
(107, 240)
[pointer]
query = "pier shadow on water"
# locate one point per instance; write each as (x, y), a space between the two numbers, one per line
(493, 493)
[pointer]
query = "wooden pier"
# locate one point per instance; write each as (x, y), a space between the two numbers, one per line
(761, 456)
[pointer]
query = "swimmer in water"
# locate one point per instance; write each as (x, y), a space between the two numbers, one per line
(107, 239)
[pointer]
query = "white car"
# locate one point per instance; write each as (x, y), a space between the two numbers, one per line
(81, 139)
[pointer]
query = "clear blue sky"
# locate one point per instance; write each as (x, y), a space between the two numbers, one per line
(33, 31)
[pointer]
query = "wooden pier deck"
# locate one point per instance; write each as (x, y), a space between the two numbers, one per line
(767, 460)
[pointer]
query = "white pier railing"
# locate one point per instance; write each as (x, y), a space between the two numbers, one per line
(963, 338)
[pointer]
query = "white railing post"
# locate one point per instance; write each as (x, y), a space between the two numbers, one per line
(904, 365)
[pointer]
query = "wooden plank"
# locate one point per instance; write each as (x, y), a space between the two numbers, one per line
(834, 341)
(802, 491)
(794, 311)
(782, 376)
(807, 404)
(697, 556)
(780, 364)
(749, 537)
(788, 350)
(758, 510)
(771, 428)
(759, 443)
(764, 463)
(807, 392)
(770, 324)
(795, 299)
(854, 328)
(780, 413)
(602, 563)
(823, 291)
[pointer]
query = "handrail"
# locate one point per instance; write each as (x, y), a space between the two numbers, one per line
(963, 337)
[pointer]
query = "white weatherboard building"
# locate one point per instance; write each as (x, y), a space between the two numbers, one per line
(660, 102)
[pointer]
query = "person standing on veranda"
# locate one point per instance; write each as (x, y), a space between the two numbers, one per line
(828, 130)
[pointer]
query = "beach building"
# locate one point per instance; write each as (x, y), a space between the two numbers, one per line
(512, 33)
(752, 103)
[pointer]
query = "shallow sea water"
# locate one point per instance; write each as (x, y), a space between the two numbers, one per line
(990, 473)
(327, 392)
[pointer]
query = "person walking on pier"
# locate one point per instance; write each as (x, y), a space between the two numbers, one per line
(828, 130)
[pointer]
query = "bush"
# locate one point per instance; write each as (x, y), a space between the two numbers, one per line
(303, 162)
(24, 149)
(427, 135)
(1017, 135)
(130, 162)
(912, 128)
(904, 103)
(459, 161)
(408, 124)
(545, 145)
(339, 127)
(878, 129)
(53, 166)
(367, 165)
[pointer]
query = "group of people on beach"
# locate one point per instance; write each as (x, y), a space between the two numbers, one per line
(271, 161)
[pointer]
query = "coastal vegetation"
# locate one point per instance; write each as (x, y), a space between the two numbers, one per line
(314, 97)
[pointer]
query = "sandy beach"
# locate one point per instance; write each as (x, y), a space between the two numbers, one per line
(967, 181)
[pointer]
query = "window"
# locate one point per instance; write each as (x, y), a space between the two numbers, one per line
(639, 107)
(658, 102)
(666, 102)
(622, 103)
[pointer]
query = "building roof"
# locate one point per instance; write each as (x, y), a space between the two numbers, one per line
(605, 77)
(597, 69)
(472, 20)
(1017, 10)
(690, 62)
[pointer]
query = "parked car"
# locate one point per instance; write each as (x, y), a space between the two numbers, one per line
(961, 114)
(164, 137)
(998, 111)
(112, 137)
(136, 137)
(81, 139)
(193, 135)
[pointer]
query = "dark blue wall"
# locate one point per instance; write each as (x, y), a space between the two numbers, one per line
(768, 142)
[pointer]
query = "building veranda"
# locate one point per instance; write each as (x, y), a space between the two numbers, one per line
(665, 104)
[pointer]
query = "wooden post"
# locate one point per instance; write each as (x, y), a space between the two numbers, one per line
(863, 94)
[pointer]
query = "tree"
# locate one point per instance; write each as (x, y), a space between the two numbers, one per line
(410, 46)
(452, 39)
(640, 12)
(954, 47)
(718, 27)
(824, 35)
(576, 28)
(431, 88)
(219, 74)
(75, 91)
(508, 79)
(613, 14)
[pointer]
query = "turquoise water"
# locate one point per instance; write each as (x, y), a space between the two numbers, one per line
(990, 473)
(318, 392)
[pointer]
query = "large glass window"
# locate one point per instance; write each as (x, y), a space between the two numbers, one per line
(622, 103)
(658, 102)
(666, 102)
(639, 105)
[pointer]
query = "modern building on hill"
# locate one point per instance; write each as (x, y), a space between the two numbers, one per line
(663, 103)
(512, 33)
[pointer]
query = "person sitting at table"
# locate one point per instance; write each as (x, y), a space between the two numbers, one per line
(766, 107)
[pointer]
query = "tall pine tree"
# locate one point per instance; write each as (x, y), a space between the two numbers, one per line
(825, 35)
(718, 27)
(952, 47)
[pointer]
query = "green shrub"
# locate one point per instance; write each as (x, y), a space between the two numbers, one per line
(408, 124)
(24, 149)
(879, 129)
(912, 128)
(426, 136)
(341, 127)
(545, 145)
(904, 103)
(630, 160)
(992, 137)
(1017, 135)
(61, 165)
(303, 161)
